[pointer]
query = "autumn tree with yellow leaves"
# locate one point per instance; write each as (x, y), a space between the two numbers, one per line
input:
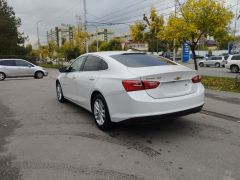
(198, 18)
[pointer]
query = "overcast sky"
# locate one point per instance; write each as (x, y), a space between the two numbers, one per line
(56, 12)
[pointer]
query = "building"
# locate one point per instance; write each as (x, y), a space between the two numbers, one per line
(61, 34)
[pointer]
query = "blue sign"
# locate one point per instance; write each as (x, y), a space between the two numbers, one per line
(185, 52)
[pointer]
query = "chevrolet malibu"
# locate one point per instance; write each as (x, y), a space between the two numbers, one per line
(117, 86)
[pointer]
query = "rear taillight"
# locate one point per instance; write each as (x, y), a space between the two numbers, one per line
(196, 79)
(136, 85)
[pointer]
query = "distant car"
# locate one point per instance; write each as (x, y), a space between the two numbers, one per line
(226, 55)
(199, 57)
(10, 68)
(233, 63)
(116, 86)
(216, 61)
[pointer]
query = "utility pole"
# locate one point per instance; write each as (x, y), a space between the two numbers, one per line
(236, 18)
(85, 22)
(38, 33)
(174, 41)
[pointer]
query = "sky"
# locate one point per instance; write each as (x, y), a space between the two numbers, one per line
(56, 12)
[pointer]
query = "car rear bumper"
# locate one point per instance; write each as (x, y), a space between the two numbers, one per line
(139, 104)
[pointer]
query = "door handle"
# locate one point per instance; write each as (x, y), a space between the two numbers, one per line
(91, 79)
(74, 78)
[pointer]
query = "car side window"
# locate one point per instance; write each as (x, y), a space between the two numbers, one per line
(9, 63)
(77, 64)
(1, 62)
(22, 63)
(94, 63)
(236, 58)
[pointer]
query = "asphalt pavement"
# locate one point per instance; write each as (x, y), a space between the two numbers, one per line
(41, 138)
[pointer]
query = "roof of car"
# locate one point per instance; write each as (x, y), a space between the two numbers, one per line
(9, 59)
(111, 53)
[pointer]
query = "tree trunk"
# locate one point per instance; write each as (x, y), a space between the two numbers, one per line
(194, 58)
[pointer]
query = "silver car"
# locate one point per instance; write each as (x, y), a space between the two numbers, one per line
(216, 61)
(10, 68)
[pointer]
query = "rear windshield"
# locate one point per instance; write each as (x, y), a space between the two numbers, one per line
(141, 60)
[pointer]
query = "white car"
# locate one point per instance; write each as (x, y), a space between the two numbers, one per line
(233, 63)
(216, 61)
(117, 86)
(11, 68)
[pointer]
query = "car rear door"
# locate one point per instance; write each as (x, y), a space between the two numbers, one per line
(87, 79)
(9, 68)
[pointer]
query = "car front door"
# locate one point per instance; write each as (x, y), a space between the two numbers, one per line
(69, 78)
(24, 68)
(87, 79)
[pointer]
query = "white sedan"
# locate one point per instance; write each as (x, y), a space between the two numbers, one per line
(117, 86)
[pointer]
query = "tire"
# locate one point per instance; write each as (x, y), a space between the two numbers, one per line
(234, 68)
(38, 75)
(201, 64)
(217, 65)
(101, 113)
(60, 95)
(2, 76)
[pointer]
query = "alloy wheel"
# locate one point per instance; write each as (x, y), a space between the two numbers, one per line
(234, 69)
(99, 112)
(2, 76)
(39, 75)
(59, 92)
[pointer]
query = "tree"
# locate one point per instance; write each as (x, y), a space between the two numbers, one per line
(151, 31)
(198, 18)
(112, 45)
(137, 31)
(11, 40)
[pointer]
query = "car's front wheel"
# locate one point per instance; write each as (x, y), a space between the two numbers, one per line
(201, 64)
(101, 113)
(60, 96)
(38, 75)
(2, 76)
(217, 65)
(234, 68)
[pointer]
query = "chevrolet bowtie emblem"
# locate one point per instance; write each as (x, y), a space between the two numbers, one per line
(178, 78)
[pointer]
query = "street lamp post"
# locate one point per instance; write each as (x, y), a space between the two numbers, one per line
(38, 33)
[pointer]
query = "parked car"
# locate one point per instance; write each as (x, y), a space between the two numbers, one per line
(226, 55)
(217, 61)
(10, 68)
(233, 63)
(116, 86)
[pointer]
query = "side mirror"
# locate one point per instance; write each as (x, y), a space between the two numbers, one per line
(63, 70)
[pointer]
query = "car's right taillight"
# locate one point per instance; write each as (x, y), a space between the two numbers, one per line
(137, 85)
(196, 79)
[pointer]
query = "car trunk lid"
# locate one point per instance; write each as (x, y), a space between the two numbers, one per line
(175, 80)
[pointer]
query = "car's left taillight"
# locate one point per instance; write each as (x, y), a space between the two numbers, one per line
(137, 85)
(196, 79)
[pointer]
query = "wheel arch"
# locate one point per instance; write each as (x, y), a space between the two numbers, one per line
(94, 93)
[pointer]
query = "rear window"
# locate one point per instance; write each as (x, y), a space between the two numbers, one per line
(141, 60)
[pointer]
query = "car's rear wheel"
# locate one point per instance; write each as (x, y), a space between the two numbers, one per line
(217, 65)
(60, 95)
(2, 76)
(201, 64)
(234, 68)
(38, 75)
(101, 113)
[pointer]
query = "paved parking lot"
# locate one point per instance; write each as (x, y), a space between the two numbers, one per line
(43, 139)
